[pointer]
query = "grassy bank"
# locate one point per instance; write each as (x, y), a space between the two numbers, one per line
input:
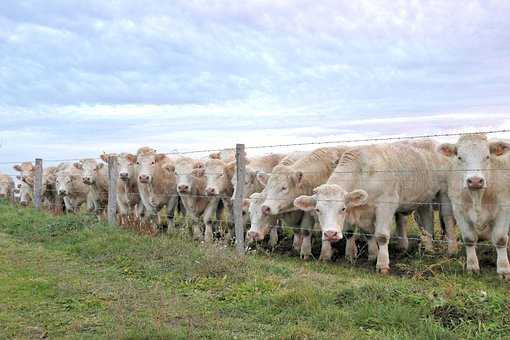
(70, 276)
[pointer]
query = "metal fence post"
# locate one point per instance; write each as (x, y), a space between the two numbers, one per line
(238, 199)
(38, 176)
(112, 189)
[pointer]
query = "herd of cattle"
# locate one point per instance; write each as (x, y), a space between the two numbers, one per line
(338, 190)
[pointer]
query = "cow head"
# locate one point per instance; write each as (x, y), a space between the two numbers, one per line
(218, 177)
(187, 171)
(332, 204)
(259, 222)
(146, 166)
(471, 156)
(89, 170)
(126, 166)
(282, 187)
(65, 182)
(251, 183)
(27, 172)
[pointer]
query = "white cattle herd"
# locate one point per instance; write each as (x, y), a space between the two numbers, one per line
(344, 192)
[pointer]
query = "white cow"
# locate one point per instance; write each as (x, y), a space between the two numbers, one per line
(479, 188)
(372, 184)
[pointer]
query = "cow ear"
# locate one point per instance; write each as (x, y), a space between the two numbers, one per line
(245, 205)
(104, 157)
(78, 165)
(131, 158)
(305, 203)
(198, 165)
(230, 169)
(263, 177)
(499, 148)
(447, 149)
(18, 177)
(159, 157)
(356, 198)
(17, 167)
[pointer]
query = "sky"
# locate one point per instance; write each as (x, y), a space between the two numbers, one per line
(78, 78)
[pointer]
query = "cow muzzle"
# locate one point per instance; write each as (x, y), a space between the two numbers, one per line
(255, 236)
(124, 176)
(144, 179)
(88, 180)
(211, 192)
(332, 236)
(183, 189)
(475, 183)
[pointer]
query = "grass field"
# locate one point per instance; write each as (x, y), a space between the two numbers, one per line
(71, 277)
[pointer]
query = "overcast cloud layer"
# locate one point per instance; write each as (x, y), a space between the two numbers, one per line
(81, 77)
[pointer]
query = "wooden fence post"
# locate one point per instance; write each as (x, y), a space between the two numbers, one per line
(238, 199)
(112, 189)
(38, 176)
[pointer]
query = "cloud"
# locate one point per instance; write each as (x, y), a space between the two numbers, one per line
(82, 77)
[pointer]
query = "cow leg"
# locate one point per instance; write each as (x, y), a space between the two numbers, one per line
(500, 241)
(273, 237)
(306, 246)
(229, 235)
(470, 238)
(351, 249)
(326, 251)
(373, 249)
(297, 241)
(208, 216)
(170, 211)
(384, 216)
(424, 217)
(401, 222)
(446, 216)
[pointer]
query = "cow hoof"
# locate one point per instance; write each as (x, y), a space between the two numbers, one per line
(372, 258)
(384, 271)
(324, 258)
(305, 257)
(505, 277)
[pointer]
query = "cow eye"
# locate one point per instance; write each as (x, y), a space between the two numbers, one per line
(342, 210)
(459, 158)
(153, 163)
(317, 210)
(284, 188)
(488, 157)
(137, 163)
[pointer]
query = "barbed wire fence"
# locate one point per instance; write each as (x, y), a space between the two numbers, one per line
(241, 161)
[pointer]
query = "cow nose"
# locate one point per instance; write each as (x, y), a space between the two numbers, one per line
(254, 235)
(24, 203)
(210, 191)
(183, 188)
(332, 236)
(266, 210)
(86, 180)
(144, 178)
(475, 182)
(61, 192)
(123, 175)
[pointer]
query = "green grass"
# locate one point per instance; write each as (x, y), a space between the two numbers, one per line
(71, 277)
